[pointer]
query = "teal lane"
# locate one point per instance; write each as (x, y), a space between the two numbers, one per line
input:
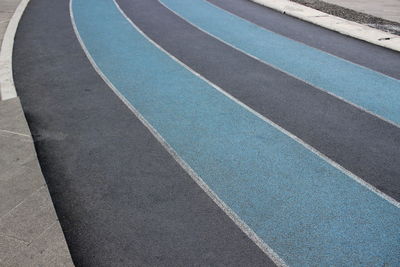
(367, 89)
(305, 209)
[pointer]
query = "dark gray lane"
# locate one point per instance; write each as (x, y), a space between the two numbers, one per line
(377, 58)
(363, 144)
(121, 198)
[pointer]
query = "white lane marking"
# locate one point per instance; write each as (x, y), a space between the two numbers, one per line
(294, 137)
(287, 37)
(283, 71)
(231, 214)
(7, 87)
(242, 225)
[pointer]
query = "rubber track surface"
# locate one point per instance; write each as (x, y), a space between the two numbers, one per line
(121, 198)
(360, 142)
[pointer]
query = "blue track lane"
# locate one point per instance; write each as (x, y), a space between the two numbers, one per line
(309, 212)
(371, 90)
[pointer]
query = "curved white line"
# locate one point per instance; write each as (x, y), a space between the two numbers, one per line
(283, 71)
(294, 137)
(231, 214)
(287, 37)
(242, 225)
(7, 87)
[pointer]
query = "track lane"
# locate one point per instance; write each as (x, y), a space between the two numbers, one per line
(71, 157)
(356, 140)
(371, 56)
(368, 90)
(210, 140)
(122, 200)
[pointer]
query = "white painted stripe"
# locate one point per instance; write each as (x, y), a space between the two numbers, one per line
(287, 37)
(231, 214)
(242, 225)
(294, 137)
(7, 87)
(334, 23)
(287, 73)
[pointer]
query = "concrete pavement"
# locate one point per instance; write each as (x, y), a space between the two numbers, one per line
(30, 233)
(382, 15)
(7, 10)
(342, 20)
(386, 9)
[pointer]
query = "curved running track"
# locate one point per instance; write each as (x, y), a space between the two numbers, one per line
(244, 137)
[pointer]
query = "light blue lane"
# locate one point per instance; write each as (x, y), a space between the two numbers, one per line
(306, 210)
(371, 90)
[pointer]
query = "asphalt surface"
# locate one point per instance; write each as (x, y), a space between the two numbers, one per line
(360, 52)
(360, 142)
(120, 197)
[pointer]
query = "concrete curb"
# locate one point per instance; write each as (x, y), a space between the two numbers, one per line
(7, 88)
(334, 23)
(30, 233)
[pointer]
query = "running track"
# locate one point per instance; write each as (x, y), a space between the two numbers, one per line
(211, 133)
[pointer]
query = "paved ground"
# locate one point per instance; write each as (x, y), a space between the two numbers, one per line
(30, 234)
(276, 143)
(383, 15)
(5, 15)
(386, 9)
